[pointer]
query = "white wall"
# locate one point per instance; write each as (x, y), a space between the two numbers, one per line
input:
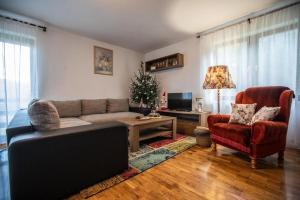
(186, 79)
(65, 67)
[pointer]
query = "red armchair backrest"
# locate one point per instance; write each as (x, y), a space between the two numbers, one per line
(270, 96)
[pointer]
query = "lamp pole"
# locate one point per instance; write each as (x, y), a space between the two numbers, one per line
(218, 93)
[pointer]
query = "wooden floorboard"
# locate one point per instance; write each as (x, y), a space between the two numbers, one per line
(199, 173)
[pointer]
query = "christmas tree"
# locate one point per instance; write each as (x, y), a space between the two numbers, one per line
(144, 89)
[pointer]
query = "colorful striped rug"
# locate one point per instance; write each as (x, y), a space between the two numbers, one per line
(151, 153)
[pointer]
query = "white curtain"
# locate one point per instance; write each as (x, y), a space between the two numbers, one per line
(260, 52)
(18, 59)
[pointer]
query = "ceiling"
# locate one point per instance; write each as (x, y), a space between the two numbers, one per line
(141, 25)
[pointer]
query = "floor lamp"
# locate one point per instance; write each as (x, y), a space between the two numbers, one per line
(218, 77)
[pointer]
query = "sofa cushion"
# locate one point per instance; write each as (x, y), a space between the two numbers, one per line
(71, 108)
(108, 117)
(93, 106)
(235, 132)
(43, 115)
(72, 122)
(117, 105)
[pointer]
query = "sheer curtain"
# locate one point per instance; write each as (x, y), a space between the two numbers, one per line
(227, 46)
(17, 69)
(261, 52)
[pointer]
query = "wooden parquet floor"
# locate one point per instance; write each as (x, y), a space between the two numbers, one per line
(199, 173)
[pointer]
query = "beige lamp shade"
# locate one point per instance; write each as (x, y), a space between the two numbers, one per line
(218, 77)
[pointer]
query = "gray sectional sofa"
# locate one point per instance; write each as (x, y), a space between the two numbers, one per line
(87, 148)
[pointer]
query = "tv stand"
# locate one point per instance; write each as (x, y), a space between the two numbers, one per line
(180, 110)
(187, 121)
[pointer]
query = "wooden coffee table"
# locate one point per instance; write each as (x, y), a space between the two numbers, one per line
(137, 127)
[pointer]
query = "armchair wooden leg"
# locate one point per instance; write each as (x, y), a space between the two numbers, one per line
(280, 156)
(253, 163)
(214, 146)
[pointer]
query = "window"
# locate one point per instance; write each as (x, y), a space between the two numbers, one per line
(17, 76)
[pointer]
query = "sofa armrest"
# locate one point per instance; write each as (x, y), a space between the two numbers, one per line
(58, 163)
(212, 119)
(19, 125)
(264, 132)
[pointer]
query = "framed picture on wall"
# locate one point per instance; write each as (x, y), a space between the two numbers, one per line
(103, 61)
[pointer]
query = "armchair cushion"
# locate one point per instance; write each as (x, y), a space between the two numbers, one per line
(235, 132)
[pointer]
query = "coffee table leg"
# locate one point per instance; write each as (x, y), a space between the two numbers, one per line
(174, 123)
(134, 139)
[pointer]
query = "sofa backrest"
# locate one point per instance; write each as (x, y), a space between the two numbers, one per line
(270, 96)
(70, 108)
(76, 108)
(93, 106)
(117, 105)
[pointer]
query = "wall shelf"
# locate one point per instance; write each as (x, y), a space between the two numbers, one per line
(165, 63)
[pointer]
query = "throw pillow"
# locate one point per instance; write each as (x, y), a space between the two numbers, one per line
(242, 113)
(32, 102)
(43, 115)
(265, 114)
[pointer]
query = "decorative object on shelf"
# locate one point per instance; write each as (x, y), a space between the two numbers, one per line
(143, 118)
(154, 114)
(164, 63)
(163, 101)
(218, 77)
(144, 89)
(199, 104)
(103, 61)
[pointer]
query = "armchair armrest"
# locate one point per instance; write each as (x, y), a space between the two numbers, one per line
(264, 132)
(212, 119)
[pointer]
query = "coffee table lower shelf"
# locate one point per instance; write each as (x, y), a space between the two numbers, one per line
(142, 130)
(148, 134)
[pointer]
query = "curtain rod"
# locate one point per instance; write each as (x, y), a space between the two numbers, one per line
(43, 28)
(248, 17)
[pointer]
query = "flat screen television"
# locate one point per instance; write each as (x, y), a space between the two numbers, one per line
(180, 101)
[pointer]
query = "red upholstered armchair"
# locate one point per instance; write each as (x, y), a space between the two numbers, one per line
(263, 138)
